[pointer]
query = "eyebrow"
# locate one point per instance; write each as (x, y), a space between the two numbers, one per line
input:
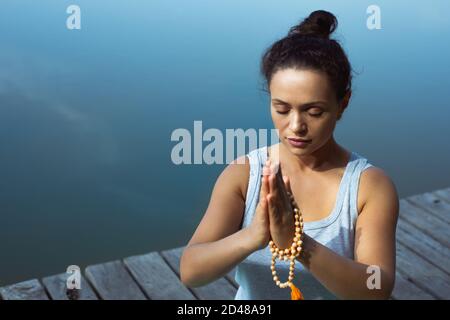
(303, 105)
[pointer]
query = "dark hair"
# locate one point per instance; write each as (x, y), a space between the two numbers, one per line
(308, 46)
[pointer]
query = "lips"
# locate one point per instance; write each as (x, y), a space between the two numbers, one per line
(299, 139)
(298, 143)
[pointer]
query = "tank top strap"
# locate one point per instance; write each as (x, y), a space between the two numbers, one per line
(360, 164)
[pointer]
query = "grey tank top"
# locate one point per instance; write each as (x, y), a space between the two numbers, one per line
(336, 232)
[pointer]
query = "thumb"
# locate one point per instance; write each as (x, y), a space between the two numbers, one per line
(263, 208)
(287, 184)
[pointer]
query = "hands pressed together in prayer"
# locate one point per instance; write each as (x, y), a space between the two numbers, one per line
(274, 215)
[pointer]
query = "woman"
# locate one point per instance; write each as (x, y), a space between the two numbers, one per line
(349, 207)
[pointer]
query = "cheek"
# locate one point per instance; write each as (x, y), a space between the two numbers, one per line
(279, 122)
(324, 128)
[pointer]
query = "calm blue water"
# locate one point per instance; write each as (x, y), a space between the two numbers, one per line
(86, 115)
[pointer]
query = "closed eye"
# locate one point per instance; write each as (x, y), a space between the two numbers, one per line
(311, 114)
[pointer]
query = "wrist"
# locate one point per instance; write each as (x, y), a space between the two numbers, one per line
(250, 243)
(308, 247)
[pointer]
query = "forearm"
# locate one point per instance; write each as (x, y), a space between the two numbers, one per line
(344, 277)
(205, 262)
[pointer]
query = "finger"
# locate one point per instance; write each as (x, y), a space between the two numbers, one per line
(264, 186)
(263, 202)
(270, 204)
(272, 184)
(266, 168)
(279, 178)
(287, 184)
(274, 167)
(287, 188)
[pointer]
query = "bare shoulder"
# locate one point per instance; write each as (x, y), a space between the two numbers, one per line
(376, 186)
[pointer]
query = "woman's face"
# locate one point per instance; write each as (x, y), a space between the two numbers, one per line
(303, 106)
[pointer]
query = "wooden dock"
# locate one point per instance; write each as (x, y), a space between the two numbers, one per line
(423, 266)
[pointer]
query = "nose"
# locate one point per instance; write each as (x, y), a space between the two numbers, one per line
(297, 125)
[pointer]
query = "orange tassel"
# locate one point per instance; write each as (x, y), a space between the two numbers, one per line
(295, 293)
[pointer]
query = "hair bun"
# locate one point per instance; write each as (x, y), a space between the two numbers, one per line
(320, 24)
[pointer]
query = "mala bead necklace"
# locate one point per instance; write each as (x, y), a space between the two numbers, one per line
(289, 253)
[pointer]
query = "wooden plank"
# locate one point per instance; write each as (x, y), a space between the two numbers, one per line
(436, 246)
(406, 290)
(221, 289)
(428, 223)
(422, 273)
(112, 281)
(431, 202)
(444, 194)
(415, 243)
(26, 290)
(156, 278)
(57, 288)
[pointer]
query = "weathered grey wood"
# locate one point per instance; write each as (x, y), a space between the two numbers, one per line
(26, 290)
(444, 194)
(431, 202)
(422, 273)
(57, 288)
(406, 290)
(157, 279)
(112, 281)
(425, 221)
(221, 289)
(436, 246)
(415, 243)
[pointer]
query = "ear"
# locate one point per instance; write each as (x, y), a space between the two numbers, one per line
(344, 103)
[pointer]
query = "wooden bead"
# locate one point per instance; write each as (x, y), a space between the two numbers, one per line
(290, 253)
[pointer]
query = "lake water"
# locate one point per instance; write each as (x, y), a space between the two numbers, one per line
(86, 115)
